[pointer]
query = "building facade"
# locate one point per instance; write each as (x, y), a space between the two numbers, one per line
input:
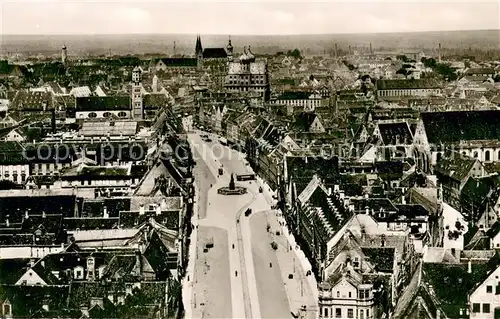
(248, 75)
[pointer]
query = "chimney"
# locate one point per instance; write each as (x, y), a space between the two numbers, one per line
(7, 222)
(341, 195)
(105, 213)
(329, 191)
(438, 314)
(469, 267)
(158, 210)
(336, 51)
(439, 53)
(403, 200)
(141, 209)
(371, 50)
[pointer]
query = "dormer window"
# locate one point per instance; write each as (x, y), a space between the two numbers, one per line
(7, 309)
(355, 264)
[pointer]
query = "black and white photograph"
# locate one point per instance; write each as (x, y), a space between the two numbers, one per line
(170, 159)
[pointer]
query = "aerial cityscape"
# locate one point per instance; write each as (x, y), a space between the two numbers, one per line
(250, 160)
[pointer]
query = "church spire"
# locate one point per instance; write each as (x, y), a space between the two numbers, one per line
(199, 48)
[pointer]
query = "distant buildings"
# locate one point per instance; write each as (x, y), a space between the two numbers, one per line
(396, 89)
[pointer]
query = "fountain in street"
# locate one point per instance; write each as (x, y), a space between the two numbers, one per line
(232, 189)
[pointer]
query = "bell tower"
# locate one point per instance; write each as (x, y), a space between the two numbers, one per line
(137, 109)
(229, 50)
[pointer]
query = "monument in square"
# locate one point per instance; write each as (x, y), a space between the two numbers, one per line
(232, 189)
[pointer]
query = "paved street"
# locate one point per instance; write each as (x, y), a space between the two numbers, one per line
(237, 281)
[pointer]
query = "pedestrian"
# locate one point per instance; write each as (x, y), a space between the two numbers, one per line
(236, 273)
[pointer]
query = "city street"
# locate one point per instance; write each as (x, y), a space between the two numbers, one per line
(249, 279)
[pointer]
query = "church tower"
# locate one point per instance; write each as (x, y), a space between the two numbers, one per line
(199, 52)
(137, 109)
(64, 55)
(229, 50)
(155, 84)
(199, 48)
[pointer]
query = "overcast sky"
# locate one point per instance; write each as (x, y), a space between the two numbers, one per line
(244, 17)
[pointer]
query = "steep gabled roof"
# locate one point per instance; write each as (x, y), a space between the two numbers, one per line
(214, 53)
(459, 126)
(395, 133)
(103, 103)
(408, 84)
(304, 121)
(180, 62)
(455, 165)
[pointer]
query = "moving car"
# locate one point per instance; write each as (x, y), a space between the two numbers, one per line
(248, 212)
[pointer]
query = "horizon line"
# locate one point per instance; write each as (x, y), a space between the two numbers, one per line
(232, 34)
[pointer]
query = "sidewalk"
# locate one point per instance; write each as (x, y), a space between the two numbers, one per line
(297, 288)
(301, 261)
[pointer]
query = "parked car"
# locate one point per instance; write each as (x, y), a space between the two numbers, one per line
(248, 212)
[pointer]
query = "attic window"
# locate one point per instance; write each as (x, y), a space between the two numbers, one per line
(7, 310)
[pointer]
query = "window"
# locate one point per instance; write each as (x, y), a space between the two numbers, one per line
(367, 313)
(338, 294)
(92, 114)
(355, 264)
(361, 314)
(486, 308)
(79, 274)
(6, 310)
(489, 289)
(476, 307)
(338, 312)
(326, 312)
(350, 313)
(106, 114)
(122, 114)
(487, 155)
(350, 295)
(475, 155)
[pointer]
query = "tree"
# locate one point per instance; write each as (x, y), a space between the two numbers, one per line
(295, 53)
(428, 62)
(403, 58)
(402, 71)
(496, 78)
